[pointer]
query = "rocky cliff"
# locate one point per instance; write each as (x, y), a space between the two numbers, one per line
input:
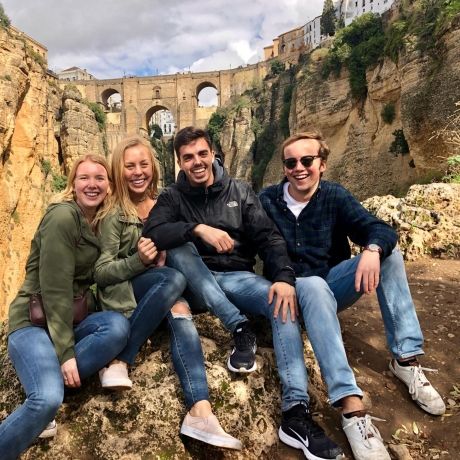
(421, 92)
(36, 149)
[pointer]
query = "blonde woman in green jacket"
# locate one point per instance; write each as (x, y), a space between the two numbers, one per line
(60, 267)
(132, 278)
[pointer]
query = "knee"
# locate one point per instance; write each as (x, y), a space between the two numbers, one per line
(181, 309)
(176, 279)
(311, 285)
(46, 401)
(118, 326)
(181, 253)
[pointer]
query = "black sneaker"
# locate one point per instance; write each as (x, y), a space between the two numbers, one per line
(243, 355)
(298, 430)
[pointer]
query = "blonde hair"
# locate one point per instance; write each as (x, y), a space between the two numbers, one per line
(68, 194)
(121, 195)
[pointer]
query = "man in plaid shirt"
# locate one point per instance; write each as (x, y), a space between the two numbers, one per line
(317, 218)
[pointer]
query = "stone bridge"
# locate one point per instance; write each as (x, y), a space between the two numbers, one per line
(141, 97)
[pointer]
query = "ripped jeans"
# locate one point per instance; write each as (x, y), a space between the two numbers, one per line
(187, 357)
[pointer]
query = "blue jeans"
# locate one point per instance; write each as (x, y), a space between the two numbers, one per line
(320, 300)
(98, 339)
(204, 292)
(246, 292)
(187, 357)
(156, 290)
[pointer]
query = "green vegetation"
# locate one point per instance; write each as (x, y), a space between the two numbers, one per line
(59, 182)
(399, 144)
(358, 46)
(276, 67)
(99, 113)
(6, 77)
(215, 126)
(328, 18)
(15, 216)
(388, 113)
(45, 167)
(285, 110)
(453, 170)
(4, 19)
(423, 23)
(165, 156)
(37, 57)
(155, 131)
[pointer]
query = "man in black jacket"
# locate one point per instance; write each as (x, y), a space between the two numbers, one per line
(228, 226)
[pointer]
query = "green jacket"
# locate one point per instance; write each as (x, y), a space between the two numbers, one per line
(60, 267)
(119, 262)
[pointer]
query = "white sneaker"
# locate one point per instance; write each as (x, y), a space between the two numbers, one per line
(364, 438)
(420, 388)
(115, 377)
(49, 431)
(208, 429)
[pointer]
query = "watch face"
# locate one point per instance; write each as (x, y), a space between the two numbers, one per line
(373, 247)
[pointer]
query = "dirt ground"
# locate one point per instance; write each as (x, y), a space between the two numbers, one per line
(435, 286)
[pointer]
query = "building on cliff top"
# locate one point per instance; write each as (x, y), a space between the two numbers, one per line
(75, 73)
(32, 43)
(309, 37)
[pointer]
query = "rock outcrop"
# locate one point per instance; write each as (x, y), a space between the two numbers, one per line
(427, 219)
(36, 150)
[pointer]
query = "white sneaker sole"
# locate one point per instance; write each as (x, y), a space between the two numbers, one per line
(300, 445)
(241, 370)
(49, 432)
(213, 439)
(117, 384)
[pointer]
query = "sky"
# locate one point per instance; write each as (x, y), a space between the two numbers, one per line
(116, 38)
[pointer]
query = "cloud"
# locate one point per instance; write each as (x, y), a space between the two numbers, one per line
(111, 38)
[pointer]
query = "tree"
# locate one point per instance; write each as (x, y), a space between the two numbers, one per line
(156, 131)
(4, 19)
(328, 18)
(276, 67)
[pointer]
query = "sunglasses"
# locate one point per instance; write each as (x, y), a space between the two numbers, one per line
(307, 161)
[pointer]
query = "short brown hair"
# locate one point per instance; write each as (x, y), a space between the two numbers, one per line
(313, 134)
(188, 135)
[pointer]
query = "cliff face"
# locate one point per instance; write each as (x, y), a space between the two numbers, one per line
(30, 152)
(423, 97)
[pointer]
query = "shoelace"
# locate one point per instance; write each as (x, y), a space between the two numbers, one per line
(418, 379)
(244, 340)
(366, 428)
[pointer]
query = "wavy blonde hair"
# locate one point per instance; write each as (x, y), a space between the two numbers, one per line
(121, 195)
(68, 194)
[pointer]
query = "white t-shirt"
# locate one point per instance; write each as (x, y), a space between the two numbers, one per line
(294, 206)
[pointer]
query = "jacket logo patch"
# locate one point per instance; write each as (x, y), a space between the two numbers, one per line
(232, 204)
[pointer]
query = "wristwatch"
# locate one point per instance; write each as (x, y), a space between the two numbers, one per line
(373, 248)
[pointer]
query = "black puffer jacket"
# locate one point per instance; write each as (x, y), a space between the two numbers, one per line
(229, 205)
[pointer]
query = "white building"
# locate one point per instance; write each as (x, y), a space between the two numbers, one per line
(312, 33)
(351, 9)
(75, 73)
(165, 120)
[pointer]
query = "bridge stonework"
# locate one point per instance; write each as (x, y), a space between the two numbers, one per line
(141, 97)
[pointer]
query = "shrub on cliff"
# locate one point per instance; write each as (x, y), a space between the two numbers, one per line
(358, 46)
(215, 126)
(388, 113)
(4, 19)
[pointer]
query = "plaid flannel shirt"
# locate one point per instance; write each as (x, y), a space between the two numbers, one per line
(318, 239)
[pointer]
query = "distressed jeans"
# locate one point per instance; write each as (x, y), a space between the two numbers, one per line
(320, 300)
(98, 339)
(247, 293)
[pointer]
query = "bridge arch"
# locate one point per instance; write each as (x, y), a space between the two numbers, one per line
(107, 93)
(167, 124)
(206, 88)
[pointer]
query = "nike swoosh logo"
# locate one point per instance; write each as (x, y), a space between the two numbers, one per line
(305, 441)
